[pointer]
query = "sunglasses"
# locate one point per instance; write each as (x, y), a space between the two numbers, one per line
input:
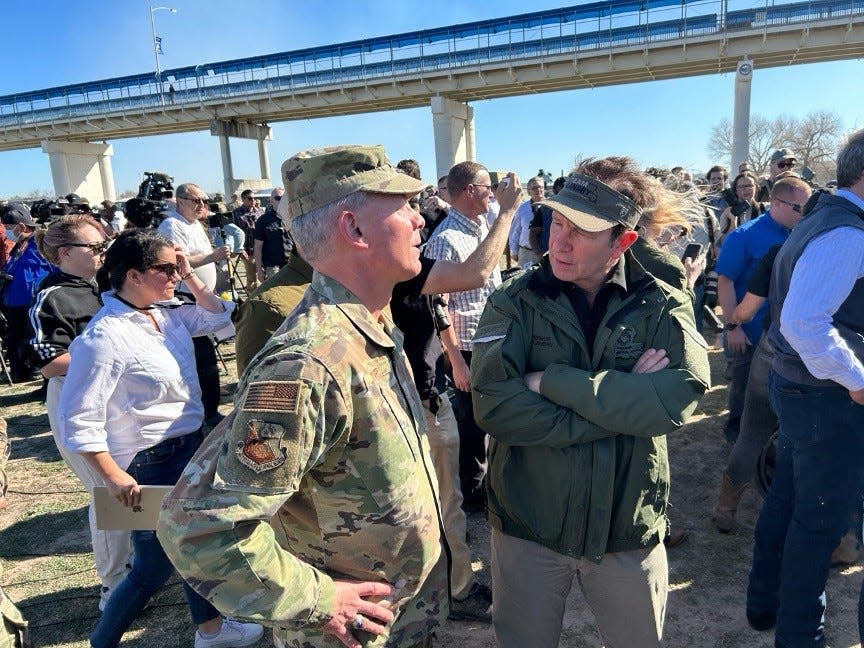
(169, 269)
(197, 201)
(97, 249)
(795, 206)
(785, 165)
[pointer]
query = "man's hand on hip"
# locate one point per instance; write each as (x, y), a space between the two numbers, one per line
(857, 396)
(354, 612)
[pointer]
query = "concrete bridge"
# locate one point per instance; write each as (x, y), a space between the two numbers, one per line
(588, 45)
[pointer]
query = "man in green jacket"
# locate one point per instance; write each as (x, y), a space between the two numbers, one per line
(581, 367)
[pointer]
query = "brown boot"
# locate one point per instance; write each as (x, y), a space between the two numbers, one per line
(727, 504)
(847, 552)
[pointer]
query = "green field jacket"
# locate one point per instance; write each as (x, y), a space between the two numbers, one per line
(582, 467)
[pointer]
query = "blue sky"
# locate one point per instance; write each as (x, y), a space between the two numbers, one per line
(659, 123)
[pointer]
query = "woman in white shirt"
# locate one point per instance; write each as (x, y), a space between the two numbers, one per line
(131, 406)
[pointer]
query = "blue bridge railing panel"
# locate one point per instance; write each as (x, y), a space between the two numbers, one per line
(571, 30)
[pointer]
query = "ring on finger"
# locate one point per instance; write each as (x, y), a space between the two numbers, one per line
(357, 624)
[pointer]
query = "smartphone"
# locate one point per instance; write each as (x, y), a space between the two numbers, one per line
(497, 176)
(692, 251)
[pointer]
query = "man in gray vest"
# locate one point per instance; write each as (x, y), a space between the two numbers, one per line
(817, 389)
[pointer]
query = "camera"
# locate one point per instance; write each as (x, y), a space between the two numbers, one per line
(439, 313)
(740, 208)
(157, 186)
(711, 288)
(143, 213)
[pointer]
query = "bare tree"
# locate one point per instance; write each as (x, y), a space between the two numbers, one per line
(813, 139)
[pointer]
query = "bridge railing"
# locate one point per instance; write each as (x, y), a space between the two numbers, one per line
(577, 30)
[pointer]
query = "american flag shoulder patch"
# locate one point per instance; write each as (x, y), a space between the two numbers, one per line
(272, 396)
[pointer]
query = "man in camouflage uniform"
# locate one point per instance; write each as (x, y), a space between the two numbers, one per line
(327, 438)
(13, 627)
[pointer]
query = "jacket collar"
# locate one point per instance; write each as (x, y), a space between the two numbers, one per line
(381, 333)
(628, 274)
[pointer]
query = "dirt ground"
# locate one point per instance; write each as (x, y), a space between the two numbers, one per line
(48, 567)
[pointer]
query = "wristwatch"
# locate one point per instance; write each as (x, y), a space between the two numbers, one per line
(730, 327)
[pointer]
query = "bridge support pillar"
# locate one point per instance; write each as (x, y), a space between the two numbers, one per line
(228, 181)
(83, 168)
(741, 118)
(226, 129)
(453, 124)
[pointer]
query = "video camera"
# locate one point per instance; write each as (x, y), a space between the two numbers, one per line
(156, 186)
(143, 213)
(145, 209)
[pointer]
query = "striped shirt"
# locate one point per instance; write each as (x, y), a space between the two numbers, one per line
(454, 240)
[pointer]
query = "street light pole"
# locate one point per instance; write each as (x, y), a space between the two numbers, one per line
(156, 50)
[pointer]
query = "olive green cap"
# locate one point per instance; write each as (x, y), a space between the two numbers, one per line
(592, 205)
(316, 177)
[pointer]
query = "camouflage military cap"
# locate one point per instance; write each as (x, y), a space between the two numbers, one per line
(316, 177)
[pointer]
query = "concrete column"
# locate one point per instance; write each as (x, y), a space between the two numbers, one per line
(82, 168)
(263, 159)
(227, 166)
(741, 119)
(453, 124)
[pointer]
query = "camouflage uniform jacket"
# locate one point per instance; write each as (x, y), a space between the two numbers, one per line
(327, 444)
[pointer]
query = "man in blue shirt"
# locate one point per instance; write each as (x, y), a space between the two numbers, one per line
(739, 256)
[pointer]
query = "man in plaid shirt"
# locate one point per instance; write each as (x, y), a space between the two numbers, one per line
(470, 189)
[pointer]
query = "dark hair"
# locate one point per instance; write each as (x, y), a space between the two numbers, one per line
(135, 249)
(461, 175)
(247, 193)
(746, 174)
(850, 160)
(716, 168)
(559, 183)
(409, 167)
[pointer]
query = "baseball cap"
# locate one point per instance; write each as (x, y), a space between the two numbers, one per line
(315, 177)
(592, 205)
(15, 213)
(782, 154)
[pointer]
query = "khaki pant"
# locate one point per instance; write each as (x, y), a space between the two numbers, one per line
(444, 447)
(530, 585)
(112, 550)
(249, 272)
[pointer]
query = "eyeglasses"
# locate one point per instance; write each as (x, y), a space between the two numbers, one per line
(97, 249)
(786, 165)
(276, 198)
(474, 184)
(170, 269)
(197, 201)
(795, 206)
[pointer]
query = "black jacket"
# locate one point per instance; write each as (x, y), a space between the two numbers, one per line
(62, 308)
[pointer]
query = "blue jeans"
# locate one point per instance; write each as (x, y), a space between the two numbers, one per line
(159, 465)
(818, 479)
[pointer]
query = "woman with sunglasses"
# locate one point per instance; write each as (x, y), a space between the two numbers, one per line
(131, 406)
(65, 303)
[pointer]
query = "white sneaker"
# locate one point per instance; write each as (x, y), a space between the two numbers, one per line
(233, 634)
